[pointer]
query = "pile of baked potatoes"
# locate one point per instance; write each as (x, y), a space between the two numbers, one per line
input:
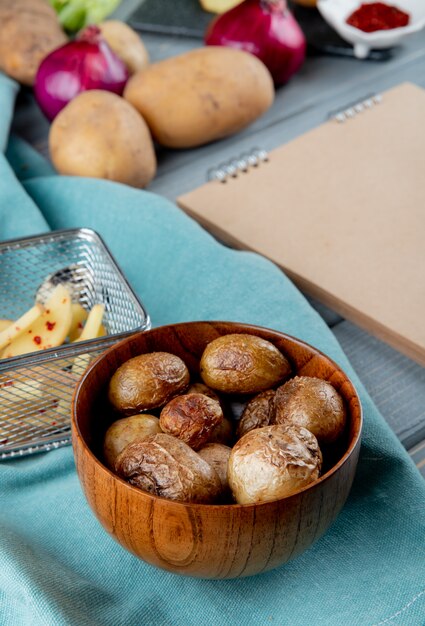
(249, 431)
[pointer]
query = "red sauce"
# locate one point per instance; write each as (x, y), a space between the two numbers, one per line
(37, 340)
(50, 325)
(377, 16)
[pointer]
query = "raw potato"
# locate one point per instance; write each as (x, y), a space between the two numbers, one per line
(49, 330)
(217, 455)
(148, 381)
(29, 31)
(100, 135)
(5, 324)
(167, 467)
(192, 418)
(201, 96)
(219, 6)
(273, 462)
(93, 324)
(126, 44)
(314, 404)
(79, 316)
(239, 363)
(125, 431)
(258, 412)
(14, 330)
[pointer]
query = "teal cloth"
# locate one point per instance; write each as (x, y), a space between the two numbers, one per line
(58, 566)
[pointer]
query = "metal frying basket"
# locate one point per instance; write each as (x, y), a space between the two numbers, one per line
(36, 388)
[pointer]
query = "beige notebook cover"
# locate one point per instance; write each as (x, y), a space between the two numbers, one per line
(342, 210)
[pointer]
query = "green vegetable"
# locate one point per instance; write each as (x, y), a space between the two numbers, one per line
(75, 14)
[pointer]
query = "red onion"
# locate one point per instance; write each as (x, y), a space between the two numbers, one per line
(266, 29)
(86, 63)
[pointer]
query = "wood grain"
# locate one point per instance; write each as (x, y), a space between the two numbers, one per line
(208, 541)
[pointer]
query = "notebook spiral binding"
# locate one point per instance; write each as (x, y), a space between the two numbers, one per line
(357, 108)
(234, 167)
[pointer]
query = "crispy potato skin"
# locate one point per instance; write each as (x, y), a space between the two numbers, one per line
(167, 467)
(100, 135)
(312, 403)
(125, 431)
(201, 388)
(223, 433)
(147, 381)
(191, 418)
(239, 363)
(273, 462)
(217, 455)
(29, 31)
(258, 413)
(201, 96)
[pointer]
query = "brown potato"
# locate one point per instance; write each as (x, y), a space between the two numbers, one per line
(126, 44)
(258, 413)
(147, 381)
(192, 418)
(201, 388)
(29, 31)
(100, 135)
(273, 462)
(217, 455)
(312, 403)
(239, 363)
(125, 431)
(201, 95)
(167, 467)
(223, 433)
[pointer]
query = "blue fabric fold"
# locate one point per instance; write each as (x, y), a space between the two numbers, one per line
(58, 566)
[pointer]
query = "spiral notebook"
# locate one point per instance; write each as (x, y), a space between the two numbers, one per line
(341, 210)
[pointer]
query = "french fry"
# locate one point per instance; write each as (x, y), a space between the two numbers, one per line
(49, 329)
(13, 331)
(5, 324)
(91, 330)
(93, 324)
(79, 316)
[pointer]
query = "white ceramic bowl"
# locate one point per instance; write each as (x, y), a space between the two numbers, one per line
(336, 12)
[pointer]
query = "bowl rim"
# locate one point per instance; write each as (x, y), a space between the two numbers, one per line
(322, 479)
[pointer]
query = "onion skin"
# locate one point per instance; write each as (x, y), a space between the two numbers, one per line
(80, 65)
(265, 28)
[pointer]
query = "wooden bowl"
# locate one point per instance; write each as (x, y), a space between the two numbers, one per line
(208, 541)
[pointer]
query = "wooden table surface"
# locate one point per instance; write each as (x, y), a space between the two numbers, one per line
(324, 85)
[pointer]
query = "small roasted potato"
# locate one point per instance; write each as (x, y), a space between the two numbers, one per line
(191, 418)
(223, 433)
(201, 388)
(147, 381)
(312, 403)
(240, 363)
(100, 135)
(167, 467)
(126, 44)
(273, 462)
(257, 413)
(125, 431)
(217, 455)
